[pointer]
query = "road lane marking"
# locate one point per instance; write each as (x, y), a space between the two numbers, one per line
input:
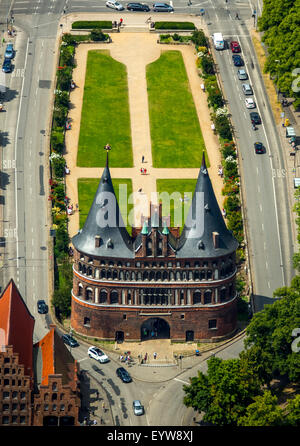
(180, 380)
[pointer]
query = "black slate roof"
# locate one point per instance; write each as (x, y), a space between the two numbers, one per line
(196, 240)
(105, 221)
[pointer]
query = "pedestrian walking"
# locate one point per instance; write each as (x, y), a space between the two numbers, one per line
(141, 170)
(146, 356)
(121, 21)
(97, 393)
(154, 355)
(140, 190)
(143, 158)
(145, 171)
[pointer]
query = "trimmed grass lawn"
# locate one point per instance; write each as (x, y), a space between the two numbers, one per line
(87, 188)
(105, 117)
(176, 136)
(179, 187)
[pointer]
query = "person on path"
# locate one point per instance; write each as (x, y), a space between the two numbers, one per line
(145, 171)
(154, 355)
(121, 21)
(143, 158)
(146, 356)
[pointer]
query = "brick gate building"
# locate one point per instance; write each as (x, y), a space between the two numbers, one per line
(157, 282)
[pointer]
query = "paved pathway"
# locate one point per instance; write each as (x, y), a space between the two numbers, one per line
(136, 50)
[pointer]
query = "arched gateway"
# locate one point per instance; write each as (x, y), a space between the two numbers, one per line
(155, 328)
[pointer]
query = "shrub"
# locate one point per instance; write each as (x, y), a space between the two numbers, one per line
(207, 65)
(57, 139)
(64, 77)
(62, 99)
(176, 37)
(215, 98)
(97, 35)
(67, 56)
(175, 25)
(60, 116)
(58, 165)
(199, 38)
(70, 39)
(232, 204)
(223, 127)
(87, 24)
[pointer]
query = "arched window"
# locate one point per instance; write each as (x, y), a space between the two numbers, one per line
(89, 271)
(115, 274)
(165, 275)
(209, 274)
(83, 269)
(87, 322)
(88, 293)
(103, 274)
(108, 275)
(103, 296)
(202, 274)
(80, 267)
(114, 297)
(158, 275)
(80, 289)
(197, 297)
(145, 275)
(207, 296)
(151, 275)
(196, 275)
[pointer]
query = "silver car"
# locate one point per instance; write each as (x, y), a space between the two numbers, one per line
(138, 409)
(114, 4)
(247, 89)
(242, 75)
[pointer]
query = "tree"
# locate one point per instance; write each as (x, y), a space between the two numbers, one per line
(224, 393)
(269, 335)
(97, 35)
(263, 412)
(292, 412)
(199, 38)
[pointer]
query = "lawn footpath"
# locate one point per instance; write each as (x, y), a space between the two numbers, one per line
(105, 114)
(176, 136)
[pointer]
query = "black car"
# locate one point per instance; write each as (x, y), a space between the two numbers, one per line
(42, 307)
(138, 7)
(69, 340)
(124, 375)
(237, 60)
(259, 148)
(255, 118)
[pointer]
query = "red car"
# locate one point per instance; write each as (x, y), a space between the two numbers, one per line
(235, 47)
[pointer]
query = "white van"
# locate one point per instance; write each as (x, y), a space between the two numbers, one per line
(218, 41)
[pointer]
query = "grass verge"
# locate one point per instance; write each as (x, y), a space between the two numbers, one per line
(176, 136)
(105, 114)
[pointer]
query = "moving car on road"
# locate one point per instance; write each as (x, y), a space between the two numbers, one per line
(124, 375)
(138, 409)
(69, 340)
(237, 60)
(255, 118)
(250, 103)
(9, 51)
(137, 7)
(242, 75)
(42, 306)
(247, 89)
(235, 47)
(259, 148)
(6, 67)
(162, 7)
(99, 355)
(219, 42)
(114, 4)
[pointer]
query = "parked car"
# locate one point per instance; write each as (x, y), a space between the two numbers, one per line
(137, 7)
(255, 118)
(138, 409)
(6, 67)
(162, 7)
(250, 103)
(235, 47)
(259, 148)
(242, 75)
(69, 340)
(9, 51)
(114, 4)
(124, 375)
(99, 355)
(247, 89)
(237, 60)
(42, 306)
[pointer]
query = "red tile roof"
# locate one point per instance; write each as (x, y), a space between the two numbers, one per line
(16, 325)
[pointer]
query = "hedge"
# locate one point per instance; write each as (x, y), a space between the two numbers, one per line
(86, 24)
(175, 25)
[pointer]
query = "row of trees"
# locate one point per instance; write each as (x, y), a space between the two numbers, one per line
(251, 390)
(280, 21)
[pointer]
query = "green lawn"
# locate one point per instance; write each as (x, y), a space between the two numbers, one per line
(105, 114)
(176, 136)
(87, 188)
(179, 187)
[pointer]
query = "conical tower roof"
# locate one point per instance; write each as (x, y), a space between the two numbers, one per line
(104, 222)
(205, 233)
